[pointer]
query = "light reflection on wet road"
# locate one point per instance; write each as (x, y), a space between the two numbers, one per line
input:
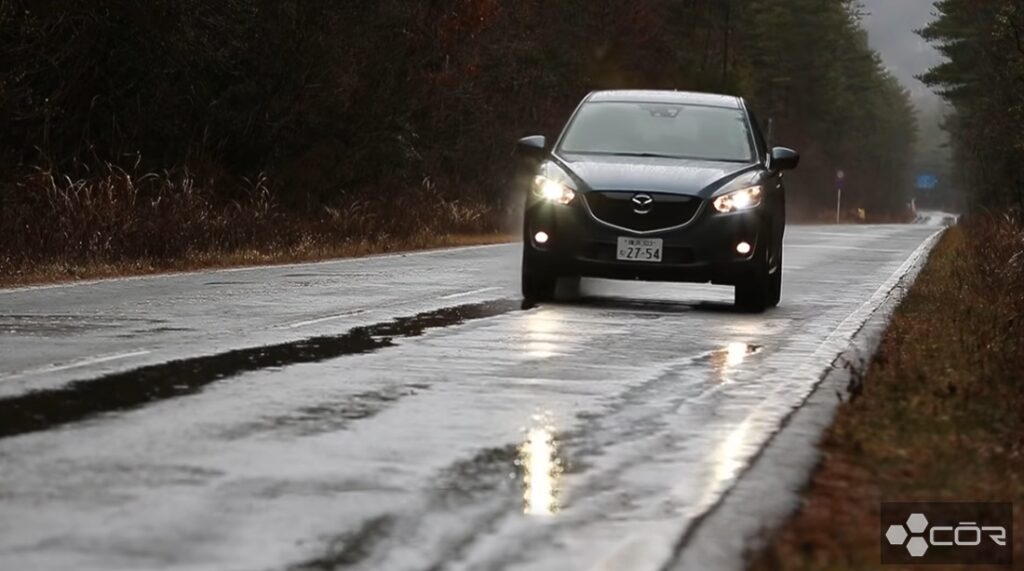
(542, 469)
(428, 424)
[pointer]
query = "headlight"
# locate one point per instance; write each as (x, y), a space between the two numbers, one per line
(743, 199)
(553, 191)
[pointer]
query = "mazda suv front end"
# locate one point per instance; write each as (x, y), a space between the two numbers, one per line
(659, 186)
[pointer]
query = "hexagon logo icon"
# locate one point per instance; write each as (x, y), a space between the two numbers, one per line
(917, 547)
(917, 523)
(896, 535)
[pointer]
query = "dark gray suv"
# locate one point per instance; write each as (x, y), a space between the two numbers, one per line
(661, 186)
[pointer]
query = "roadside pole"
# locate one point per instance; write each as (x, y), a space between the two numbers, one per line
(840, 175)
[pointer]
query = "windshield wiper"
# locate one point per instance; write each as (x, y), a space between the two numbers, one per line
(654, 155)
(678, 157)
(657, 156)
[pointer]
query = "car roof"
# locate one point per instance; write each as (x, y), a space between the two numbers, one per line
(669, 97)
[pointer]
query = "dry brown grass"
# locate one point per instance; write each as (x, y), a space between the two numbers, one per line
(941, 412)
(121, 224)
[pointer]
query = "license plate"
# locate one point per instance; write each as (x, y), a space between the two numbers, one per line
(640, 249)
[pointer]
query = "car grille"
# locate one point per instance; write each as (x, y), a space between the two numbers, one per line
(667, 210)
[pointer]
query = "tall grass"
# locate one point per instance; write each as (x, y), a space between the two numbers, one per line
(989, 281)
(167, 220)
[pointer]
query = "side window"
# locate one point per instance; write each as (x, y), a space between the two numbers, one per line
(762, 146)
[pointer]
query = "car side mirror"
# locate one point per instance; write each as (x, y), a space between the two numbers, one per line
(784, 159)
(532, 147)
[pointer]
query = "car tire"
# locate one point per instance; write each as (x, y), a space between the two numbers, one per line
(755, 292)
(538, 284)
(775, 279)
(568, 286)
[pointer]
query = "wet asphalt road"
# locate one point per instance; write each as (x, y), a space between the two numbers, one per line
(403, 412)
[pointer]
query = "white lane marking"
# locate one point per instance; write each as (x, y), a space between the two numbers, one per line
(375, 257)
(828, 247)
(469, 293)
(846, 234)
(298, 324)
(78, 364)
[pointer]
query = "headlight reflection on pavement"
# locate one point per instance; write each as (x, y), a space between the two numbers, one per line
(543, 335)
(730, 453)
(735, 353)
(731, 357)
(729, 457)
(542, 470)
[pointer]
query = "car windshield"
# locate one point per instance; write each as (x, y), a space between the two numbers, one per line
(655, 129)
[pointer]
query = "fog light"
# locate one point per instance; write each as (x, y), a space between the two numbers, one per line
(743, 248)
(541, 237)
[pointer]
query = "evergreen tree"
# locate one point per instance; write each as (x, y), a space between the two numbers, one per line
(983, 78)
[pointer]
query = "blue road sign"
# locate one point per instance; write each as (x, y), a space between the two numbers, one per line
(927, 181)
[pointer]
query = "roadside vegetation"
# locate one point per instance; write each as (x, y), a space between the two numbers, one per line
(168, 134)
(119, 223)
(938, 416)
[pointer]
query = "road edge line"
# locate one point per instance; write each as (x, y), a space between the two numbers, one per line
(235, 269)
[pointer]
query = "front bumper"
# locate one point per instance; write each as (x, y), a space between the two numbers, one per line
(702, 251)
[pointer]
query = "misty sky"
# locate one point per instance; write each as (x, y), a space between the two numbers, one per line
(891, 26)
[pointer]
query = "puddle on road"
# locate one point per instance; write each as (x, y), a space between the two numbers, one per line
(528, 477)
(79, 400)
(724, 361)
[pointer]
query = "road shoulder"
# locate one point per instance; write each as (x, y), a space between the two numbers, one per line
(769, 489)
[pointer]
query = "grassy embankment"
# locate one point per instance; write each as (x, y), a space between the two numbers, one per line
(119, 225)
(940, 413)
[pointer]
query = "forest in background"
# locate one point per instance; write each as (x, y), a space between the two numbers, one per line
(160, 131)
(982, 77)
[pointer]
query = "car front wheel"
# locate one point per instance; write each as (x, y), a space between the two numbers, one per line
(538, 283)
(761, 288)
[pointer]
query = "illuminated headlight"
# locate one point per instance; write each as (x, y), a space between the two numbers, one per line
(743, 199)
(553, 191)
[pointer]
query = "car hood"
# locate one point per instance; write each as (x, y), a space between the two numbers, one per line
(692, 177)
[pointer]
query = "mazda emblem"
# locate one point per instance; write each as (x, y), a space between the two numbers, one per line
(643, 203)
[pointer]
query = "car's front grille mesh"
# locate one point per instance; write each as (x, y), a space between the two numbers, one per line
(666, 211)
